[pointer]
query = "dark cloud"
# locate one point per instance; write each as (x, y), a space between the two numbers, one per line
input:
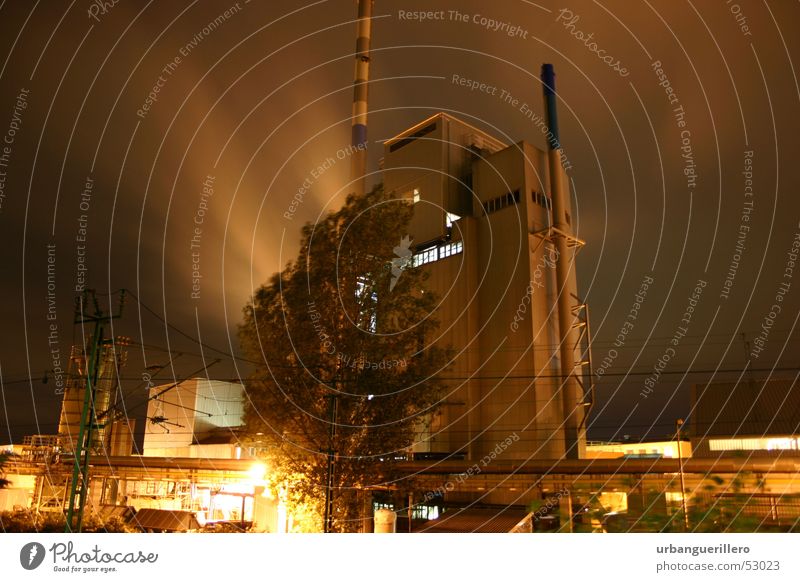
(262, 95)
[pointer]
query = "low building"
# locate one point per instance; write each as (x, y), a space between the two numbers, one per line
(746, 419)
(194, 464)
(194, 418)
(636, 450)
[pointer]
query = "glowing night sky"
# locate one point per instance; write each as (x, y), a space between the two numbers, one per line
(145, 144)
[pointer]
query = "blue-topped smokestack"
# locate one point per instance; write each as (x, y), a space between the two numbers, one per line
(549, 86)
(571, 391)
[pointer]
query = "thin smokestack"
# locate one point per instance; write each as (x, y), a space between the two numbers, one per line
(358, 161)
(549, 88)
(567, 288)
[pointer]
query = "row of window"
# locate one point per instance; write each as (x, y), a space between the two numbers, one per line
(511, 198)
(542, 200)
(495, 204)
(437, 253)
(498, 203)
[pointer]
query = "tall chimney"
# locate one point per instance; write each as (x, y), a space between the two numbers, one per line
(358, 158)
(572, 397)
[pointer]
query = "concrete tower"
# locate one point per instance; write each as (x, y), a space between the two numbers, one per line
(484, 227)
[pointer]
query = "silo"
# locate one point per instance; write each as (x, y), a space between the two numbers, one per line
(72, 404)
(385, 521)
(111, 357)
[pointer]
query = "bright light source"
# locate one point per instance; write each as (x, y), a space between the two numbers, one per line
(257, 472)
(370, 396)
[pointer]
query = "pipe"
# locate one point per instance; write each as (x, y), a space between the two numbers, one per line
(566, 284)
(358, 156)
(549, 88)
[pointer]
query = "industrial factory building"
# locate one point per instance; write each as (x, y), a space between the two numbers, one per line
(193, 471)
(482, 226)
(511, 433)
(493, 225)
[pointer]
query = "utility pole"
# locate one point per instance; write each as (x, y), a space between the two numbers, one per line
(679, 426)
(332, 409)
(80, 470)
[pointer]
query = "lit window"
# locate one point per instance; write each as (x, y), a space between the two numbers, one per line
(415, 195)
(436, 253)
(426, 256)
(451, 249)
(425, 512)
(754, 444)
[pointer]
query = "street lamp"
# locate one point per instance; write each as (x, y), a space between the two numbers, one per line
(257, 473)
(679, 426)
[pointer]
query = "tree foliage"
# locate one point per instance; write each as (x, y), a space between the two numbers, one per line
(348, 323)
(28, 521)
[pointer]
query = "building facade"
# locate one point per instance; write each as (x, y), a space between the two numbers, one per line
(749, 418)
(482, 228)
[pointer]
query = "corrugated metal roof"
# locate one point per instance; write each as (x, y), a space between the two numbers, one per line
(123, 511)
(474, 521)
(747, 408)
(166, 520)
